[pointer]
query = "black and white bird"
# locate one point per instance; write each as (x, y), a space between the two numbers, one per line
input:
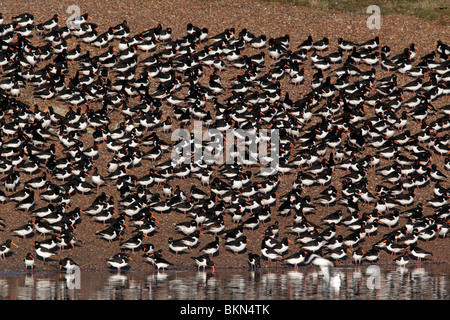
(119, 261)
(42, 252)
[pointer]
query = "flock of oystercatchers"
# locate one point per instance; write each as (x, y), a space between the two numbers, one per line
(367, 144)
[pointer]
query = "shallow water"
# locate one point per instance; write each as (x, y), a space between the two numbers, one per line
(307, 283)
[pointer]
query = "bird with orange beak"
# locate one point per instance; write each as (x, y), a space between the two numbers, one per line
(6, 247)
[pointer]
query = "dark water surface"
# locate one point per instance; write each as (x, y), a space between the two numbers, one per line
(307, 283)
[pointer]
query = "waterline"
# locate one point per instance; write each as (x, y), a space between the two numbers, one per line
(307, 283)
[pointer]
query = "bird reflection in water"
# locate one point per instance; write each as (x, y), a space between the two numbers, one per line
(305, 283)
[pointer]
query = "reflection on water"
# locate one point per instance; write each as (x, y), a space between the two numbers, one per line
(426, 282)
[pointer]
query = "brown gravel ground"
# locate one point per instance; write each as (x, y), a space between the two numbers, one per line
(259, 17)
